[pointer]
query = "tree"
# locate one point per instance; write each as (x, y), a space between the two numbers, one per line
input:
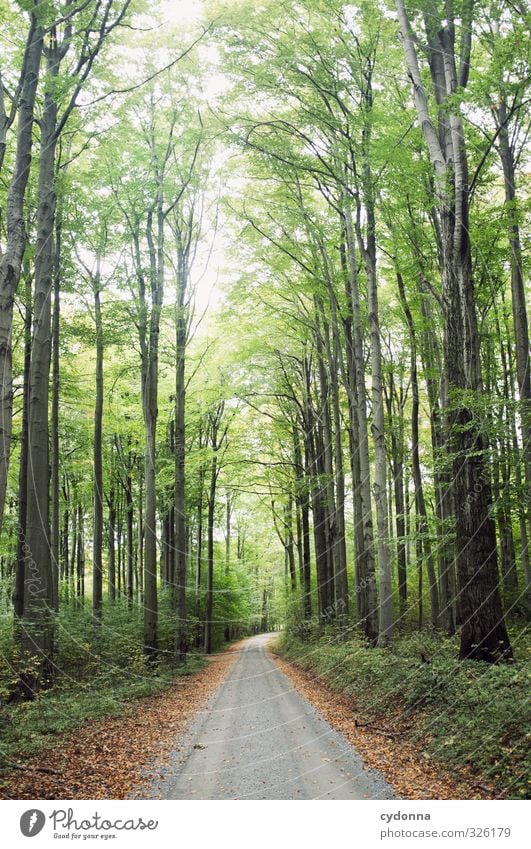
(483, 632)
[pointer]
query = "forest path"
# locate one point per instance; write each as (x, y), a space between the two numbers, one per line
(258, 738)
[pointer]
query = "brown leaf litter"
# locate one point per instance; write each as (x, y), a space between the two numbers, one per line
(108, 758)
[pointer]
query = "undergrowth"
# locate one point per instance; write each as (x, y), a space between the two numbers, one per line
(457, 713)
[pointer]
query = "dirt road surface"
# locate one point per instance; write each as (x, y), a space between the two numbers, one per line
(258, 738)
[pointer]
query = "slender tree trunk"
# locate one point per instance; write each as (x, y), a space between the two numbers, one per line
(303, 505)
(97, 564)
(385, 626)
(420, 503)
(518, 298)
(80, 566)
(130, 556)
(150, 409)
(210, 555)
(54, 423)
(112, 547)
(290, 552)
(182, 637)
(199, 556)
(366, 568)
(18, 597)
(341, 579)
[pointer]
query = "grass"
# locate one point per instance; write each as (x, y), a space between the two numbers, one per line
(457, 713)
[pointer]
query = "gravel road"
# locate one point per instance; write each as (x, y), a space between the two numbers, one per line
(258, 738)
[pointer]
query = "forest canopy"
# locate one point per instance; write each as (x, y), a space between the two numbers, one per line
(264, 350)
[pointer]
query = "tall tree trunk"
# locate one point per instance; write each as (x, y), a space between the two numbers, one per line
(199, 554)
(210, 555)
(150, 409)
(397, 486)
(18, 597)
(80, 566)
(11, 259)
(112, 547)
(420, 503)
(437, 398)
(129, 554)
(333, 353)
(349, 381)
(301, 489)
(97, 564)
(228, 512)
(366, 568)
(181, 330)
(54, 422)
(518, 298)
(39, 601)
(385, 608)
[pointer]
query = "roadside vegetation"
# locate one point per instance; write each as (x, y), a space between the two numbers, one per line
(456, 713)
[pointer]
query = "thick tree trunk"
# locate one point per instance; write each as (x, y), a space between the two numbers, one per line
(437, 393)
(39, 599)
(11, 259)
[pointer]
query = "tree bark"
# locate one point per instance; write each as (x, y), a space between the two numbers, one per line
(11, 260)
(97, 561)
(18, 596)
(181, 331)
(39, 600)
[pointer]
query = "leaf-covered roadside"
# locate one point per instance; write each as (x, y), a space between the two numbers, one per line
(434, 728)
(109, 757)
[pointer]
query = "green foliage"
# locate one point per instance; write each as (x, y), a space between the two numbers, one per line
(100, 668)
